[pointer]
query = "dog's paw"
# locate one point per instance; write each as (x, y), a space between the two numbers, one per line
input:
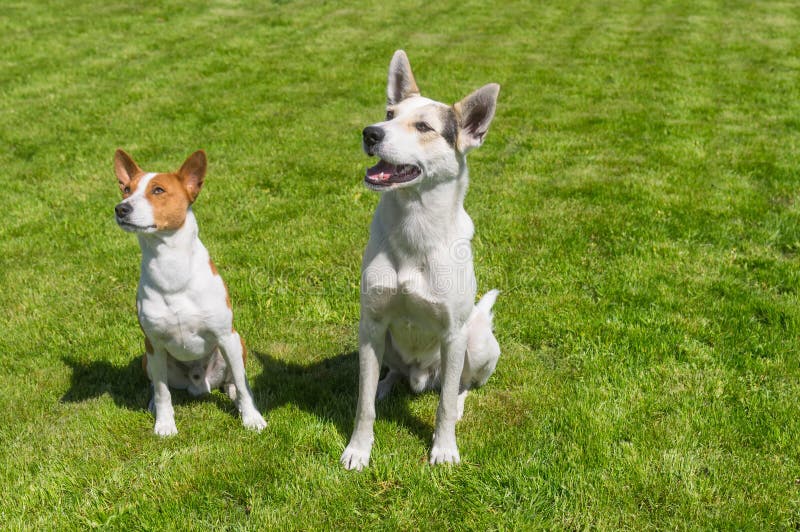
(384, 389)
(353, 458)
(444, 455)
(165, 428)
(254, 421)
(230, 391)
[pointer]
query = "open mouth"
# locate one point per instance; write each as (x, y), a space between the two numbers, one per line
(384, 174)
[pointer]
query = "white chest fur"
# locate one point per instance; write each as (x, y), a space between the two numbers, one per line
(417, 275)
(181, 300)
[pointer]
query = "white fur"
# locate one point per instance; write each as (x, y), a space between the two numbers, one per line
(141, 219)
(418, 286)
(181, 305)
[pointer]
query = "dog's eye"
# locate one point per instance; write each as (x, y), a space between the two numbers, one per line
(158, 190)
(389, 115)
(126, 190)
(423, 127)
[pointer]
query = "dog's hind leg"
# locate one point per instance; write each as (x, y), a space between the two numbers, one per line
(482, 352)
(462, 396)
(397, 369)
(423, 379)
(387, 383)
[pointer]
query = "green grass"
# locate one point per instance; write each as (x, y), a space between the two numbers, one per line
(636, 201)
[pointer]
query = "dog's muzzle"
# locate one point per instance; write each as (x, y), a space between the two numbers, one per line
(373, 135)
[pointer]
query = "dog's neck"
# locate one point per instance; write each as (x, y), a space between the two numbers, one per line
(168, 257)
(427, 216)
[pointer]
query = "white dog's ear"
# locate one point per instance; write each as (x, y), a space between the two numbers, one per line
(475, 113)
(401, 83)
(193, 173)
(125, 168)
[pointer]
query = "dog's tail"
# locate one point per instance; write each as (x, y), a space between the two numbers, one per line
(483, 351)
(487, 302)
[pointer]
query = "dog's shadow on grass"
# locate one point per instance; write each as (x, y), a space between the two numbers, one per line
(328, 389)
(128, 386)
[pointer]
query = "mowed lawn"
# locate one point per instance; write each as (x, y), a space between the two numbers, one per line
(637, 202)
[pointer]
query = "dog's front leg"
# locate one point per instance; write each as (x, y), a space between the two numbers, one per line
(162, 400)
(372, 340)
(232, 349)
(445, 450)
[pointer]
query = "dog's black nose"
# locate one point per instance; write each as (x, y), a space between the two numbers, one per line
(123, 209)
(372, 135)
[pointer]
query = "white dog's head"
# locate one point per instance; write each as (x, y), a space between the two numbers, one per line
(422, 140)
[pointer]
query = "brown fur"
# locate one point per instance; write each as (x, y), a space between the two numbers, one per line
(148, 347)
(244, 350)
(169, 207)
(215, 272)
(170, 194)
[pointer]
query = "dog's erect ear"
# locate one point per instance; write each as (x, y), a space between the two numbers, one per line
(401, 83)
(475, 113)
(193, 173)
(125, 168)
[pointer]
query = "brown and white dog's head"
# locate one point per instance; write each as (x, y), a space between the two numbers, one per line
(421, 139)
(157, 201)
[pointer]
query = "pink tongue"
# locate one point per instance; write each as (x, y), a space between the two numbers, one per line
(381, 171)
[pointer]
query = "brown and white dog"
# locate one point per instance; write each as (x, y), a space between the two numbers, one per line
(418, 311)
(183, 304)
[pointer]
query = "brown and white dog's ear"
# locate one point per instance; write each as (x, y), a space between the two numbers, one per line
(401, 82)
(193, 173)
(475, 113)
(125, 168)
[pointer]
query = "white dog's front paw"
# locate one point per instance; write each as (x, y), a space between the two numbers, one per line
(444, 455)
(353, 458)
(165, 427)
(254, 421)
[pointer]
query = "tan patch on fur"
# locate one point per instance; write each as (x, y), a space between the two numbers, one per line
(244, 350)
(215, 272)
(148, 346)
(134, 183)
(170, 194)
(430, 115)
(169, 206)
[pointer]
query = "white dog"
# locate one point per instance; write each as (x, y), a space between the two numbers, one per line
(418, 287)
